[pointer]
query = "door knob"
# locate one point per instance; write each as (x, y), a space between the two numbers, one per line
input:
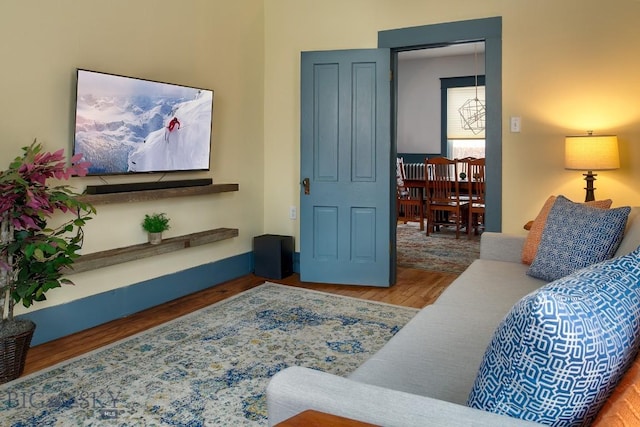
(305, 183)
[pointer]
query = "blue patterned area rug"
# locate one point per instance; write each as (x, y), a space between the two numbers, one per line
(210, 367)
(440, 251)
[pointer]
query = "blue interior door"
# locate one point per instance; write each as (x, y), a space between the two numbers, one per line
(345, 199)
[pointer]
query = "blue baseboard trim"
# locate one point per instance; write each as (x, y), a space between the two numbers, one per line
(65, 319)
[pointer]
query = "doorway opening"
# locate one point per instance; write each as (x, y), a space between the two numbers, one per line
(488, 31)
(432, 86)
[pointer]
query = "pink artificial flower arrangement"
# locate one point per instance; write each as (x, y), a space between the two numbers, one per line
(33, 257)
(24, 192)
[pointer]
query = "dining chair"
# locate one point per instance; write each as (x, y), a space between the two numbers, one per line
(444, 207)
(476, 196)
(408, 206)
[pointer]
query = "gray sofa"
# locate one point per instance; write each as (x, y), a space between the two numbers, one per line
(424, 374)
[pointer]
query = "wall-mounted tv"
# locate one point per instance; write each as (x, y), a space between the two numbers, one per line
(126, 125)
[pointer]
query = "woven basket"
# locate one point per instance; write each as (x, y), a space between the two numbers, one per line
(13, 353)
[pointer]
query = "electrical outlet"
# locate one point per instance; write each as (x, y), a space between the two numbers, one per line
(293, 212)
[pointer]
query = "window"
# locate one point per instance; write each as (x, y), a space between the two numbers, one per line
(463, 138)
(459, 98)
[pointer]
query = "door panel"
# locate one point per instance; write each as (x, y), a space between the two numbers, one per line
(325, 235)
(345, 152)
(363, 227)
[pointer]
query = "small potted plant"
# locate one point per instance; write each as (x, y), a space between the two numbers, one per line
(154, 225)
(34, 257)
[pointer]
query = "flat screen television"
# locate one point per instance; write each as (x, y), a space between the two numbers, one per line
(126, 125)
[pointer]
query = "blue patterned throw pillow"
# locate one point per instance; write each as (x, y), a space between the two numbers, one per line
(561, 350)
(576, 236)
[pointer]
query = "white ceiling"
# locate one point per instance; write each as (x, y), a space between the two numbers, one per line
(435, 52)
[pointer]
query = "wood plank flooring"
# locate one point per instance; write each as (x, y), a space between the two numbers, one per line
(413, 288)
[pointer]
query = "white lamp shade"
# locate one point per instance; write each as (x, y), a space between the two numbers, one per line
(591, 152)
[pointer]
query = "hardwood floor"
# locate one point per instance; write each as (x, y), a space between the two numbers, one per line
(414, 288)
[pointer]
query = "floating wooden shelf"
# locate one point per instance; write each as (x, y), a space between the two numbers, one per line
(140, 196)
(144, 250)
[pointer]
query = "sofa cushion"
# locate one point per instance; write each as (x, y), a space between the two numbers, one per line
(438, 352)
(577, 236)
(622, 409)
(537, 226)
(491, 286)
(561, 349)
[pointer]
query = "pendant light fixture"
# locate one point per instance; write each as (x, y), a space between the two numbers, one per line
(473, 111)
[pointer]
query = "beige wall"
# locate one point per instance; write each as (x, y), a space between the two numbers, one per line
(213, 44)
(568, 66)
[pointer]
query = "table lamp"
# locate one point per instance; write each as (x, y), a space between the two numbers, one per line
(591, 152)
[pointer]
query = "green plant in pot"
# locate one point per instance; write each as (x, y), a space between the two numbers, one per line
(33, 256)
(154, 225)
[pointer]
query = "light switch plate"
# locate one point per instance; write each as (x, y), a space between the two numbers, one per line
(515, 124)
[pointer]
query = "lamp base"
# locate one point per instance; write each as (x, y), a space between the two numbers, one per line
(589, 177)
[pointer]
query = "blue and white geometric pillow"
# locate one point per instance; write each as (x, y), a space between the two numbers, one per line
(561, 350)
(576, 236)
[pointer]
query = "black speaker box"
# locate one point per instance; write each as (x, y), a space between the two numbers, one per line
(142, 186)
(273, 256)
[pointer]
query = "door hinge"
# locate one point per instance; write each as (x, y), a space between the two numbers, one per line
(390, 75)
